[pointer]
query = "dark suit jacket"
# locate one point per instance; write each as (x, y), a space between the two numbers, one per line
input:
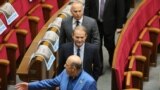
(114, 13)
(89, 23)
(91, 62)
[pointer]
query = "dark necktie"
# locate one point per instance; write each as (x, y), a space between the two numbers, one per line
(78, 52)
(77, 23)
(70, 84)
(102, 8)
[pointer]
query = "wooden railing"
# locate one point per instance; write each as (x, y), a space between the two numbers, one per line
(24, 67)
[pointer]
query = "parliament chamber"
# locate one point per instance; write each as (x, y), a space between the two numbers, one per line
(29, 42)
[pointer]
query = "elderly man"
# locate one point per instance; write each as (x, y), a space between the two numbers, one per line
(72, 78)
(89, 53)
(76, 19)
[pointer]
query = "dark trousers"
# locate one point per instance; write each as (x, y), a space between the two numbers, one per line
(108, 43)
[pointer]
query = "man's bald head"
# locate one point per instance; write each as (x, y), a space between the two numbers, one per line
(77, 10)
(75, 61)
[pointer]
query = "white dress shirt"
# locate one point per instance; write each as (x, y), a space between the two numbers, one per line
(99, 10)
(74, 22)
(81, 51)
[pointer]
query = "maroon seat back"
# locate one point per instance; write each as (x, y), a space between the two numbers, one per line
(128, 37)
(2, 17)
(37, 11)
(23, 24)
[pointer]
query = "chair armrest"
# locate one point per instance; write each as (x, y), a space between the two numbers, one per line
(155, 30)
(4, 62)
(34, 18)
(147, 43)
(11, 45)
(21, 32)
(33, 9)
(6, 38)
(136, 57)
(47, 6)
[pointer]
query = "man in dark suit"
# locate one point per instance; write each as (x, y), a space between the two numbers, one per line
(110, 17)
(89, 53)
(77, 18)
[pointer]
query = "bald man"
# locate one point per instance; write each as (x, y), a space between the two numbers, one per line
(72, 78)
(69, 24)
(89, 53)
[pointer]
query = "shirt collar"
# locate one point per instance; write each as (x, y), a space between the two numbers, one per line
(80, 20)
(79, 47)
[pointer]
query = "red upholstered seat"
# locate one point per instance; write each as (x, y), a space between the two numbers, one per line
(49, 7)
(54, 3)
(133, 79)
(12, 53)
(151, 34)
(3, 75)
(23, 24)
(27, 5)
(37, 11)
(62, 2)
(18, 7)
(135, 24)
(143, 48)
(25, 34)
(136, 63)
(3, 52)
(154, 22)
(2, 17)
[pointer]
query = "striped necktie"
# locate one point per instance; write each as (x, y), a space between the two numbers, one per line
(78, 52)
(102, 8)
(77, 23)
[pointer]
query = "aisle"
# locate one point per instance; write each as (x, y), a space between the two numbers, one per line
(154, 77)
(104, 82)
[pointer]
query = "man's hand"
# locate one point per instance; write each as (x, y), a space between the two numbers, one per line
(22, 86)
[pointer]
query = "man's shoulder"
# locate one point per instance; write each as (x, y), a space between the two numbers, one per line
(89, 18)
(69, 18)
(91, 45)
(66, 45)
(87, 77)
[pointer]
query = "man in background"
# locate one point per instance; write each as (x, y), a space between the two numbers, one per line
(89, 53)
(110, 15)
(77, 19)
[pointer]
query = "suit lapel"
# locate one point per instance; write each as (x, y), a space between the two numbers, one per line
(70, 28)
(84, 22)
(85, 53)
(80, 83)
(106, 4)
(71, 52)
(97, 4)
(66, 79)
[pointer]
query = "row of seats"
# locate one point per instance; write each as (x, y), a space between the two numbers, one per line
(20, 33)
(136, 49)
(46, 41)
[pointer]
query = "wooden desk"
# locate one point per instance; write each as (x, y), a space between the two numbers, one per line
(23, 69)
